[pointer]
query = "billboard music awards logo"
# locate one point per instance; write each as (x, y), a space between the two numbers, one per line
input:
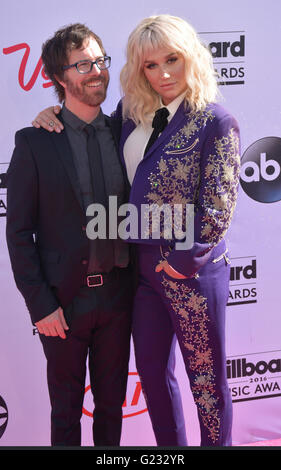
(260, 175)
(254, 376)
(3, 191)
(243, 279)
(228, 51)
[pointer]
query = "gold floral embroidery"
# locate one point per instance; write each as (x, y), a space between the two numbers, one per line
(196, 121)
(191, 307)
(220, 188)
(183, 150)
(175, 182)
(179, 179)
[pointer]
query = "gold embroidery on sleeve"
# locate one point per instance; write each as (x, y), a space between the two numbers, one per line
(220, 188)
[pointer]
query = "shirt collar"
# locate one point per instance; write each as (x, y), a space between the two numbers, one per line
(77, 124)
(173, 106)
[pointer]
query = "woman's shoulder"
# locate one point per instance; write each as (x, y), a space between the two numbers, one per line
(117, 113)
(218, 112)
(209, 119)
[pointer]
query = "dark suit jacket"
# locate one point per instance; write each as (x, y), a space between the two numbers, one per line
(46, 222)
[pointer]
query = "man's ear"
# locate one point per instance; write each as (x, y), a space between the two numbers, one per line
(60, 81)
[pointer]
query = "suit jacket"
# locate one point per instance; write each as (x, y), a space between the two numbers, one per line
(194, 161)
(46, 222)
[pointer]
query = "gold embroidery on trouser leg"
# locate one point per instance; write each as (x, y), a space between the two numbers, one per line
(191, 307)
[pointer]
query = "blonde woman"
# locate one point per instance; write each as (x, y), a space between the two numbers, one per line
(194, 162)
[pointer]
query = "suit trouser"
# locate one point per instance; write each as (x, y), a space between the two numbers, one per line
(191, 311)
(100, 327)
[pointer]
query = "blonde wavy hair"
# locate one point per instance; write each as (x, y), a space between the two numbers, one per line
(176, 34)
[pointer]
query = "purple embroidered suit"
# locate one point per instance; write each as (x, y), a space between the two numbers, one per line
(194, 161)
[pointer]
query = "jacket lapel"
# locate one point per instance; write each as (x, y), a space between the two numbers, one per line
(115, 125)
(64, 151)
(129, 126)
(169, 129)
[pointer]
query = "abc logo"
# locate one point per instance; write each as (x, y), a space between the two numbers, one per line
(261, 170)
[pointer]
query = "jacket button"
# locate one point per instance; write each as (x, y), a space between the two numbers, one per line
(84, 261)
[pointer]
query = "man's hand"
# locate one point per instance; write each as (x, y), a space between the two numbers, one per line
(53, 325)
(48, 120)
(169, 270)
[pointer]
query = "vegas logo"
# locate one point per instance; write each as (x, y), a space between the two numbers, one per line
(134, 403)
(24, 84)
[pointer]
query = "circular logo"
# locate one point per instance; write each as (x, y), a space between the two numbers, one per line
(260, 175)
(134, 403)
(3, 416)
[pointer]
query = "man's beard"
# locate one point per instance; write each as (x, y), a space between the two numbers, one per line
(88, 95)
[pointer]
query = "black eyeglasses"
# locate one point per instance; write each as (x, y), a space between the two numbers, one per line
(85, 66)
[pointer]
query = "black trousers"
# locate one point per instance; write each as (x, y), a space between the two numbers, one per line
(100, 325)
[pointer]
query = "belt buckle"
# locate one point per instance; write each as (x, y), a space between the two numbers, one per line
(96, 277)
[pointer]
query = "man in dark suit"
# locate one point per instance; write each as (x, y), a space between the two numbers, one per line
(77, 290)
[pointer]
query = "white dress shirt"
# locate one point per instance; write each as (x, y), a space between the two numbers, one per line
(135, 144)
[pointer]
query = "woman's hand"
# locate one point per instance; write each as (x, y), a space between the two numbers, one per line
(48, 120)
(169, 270)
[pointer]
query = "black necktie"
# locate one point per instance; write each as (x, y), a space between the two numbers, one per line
(159, 123)
(95, 163)
(102, 250)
